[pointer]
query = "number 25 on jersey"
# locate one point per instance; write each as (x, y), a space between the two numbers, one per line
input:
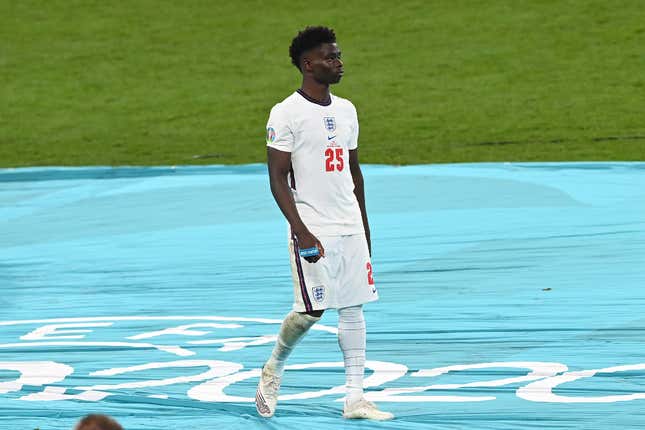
(334, 159)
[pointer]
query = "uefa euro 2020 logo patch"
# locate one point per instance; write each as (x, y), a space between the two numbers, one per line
(319, 293)
(270, 135)
(330, 123)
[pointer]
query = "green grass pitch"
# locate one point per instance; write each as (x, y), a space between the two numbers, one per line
(165, 82)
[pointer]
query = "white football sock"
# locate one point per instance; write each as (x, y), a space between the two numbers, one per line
(293, 328)
(351, 338)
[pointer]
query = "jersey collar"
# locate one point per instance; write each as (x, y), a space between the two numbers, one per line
(309, 99)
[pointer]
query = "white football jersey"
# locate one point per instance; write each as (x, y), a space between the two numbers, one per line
(319, 139)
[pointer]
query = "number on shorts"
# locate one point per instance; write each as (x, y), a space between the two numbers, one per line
(370, 278)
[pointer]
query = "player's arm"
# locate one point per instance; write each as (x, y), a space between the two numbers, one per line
(359, 191)
(279, 163)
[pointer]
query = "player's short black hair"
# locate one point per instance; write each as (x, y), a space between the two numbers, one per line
(307, 39)
(102, 422)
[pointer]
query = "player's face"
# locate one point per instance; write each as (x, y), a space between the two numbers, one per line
(324, 64)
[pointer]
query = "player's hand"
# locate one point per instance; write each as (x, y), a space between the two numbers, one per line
(308, 240)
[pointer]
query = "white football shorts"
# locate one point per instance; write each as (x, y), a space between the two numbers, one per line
(340, 279)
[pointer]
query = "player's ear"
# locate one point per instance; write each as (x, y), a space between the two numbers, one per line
(305, 64)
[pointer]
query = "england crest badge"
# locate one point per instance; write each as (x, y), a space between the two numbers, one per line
(319, 293)
(330, 123)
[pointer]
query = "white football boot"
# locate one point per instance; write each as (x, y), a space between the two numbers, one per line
(364, 410)
(266, 397)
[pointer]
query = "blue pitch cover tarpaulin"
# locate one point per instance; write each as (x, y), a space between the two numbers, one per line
(512, 296)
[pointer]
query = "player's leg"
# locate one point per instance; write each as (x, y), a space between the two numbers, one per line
(294, 327)
(357, 288)
(351, 339)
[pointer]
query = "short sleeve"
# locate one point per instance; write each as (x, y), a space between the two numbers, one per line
(279, 134)
(353, 141)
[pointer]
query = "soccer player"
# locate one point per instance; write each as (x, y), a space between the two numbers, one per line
(312, 139)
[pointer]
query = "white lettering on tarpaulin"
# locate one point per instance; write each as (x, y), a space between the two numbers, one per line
(34, 373)
(213, 391)
(62, 331)
(216, 369)
(53, 393)
(542, 391)
(541, 377)
(539, 370)
(184, 330)
(236, 343)
(176, 350)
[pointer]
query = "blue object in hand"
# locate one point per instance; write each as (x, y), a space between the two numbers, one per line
(309, 252)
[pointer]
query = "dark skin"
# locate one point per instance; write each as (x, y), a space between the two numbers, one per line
(320, 68)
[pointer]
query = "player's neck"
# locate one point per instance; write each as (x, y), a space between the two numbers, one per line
(317, 92)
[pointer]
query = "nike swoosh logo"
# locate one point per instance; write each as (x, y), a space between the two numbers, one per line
(331, 137)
